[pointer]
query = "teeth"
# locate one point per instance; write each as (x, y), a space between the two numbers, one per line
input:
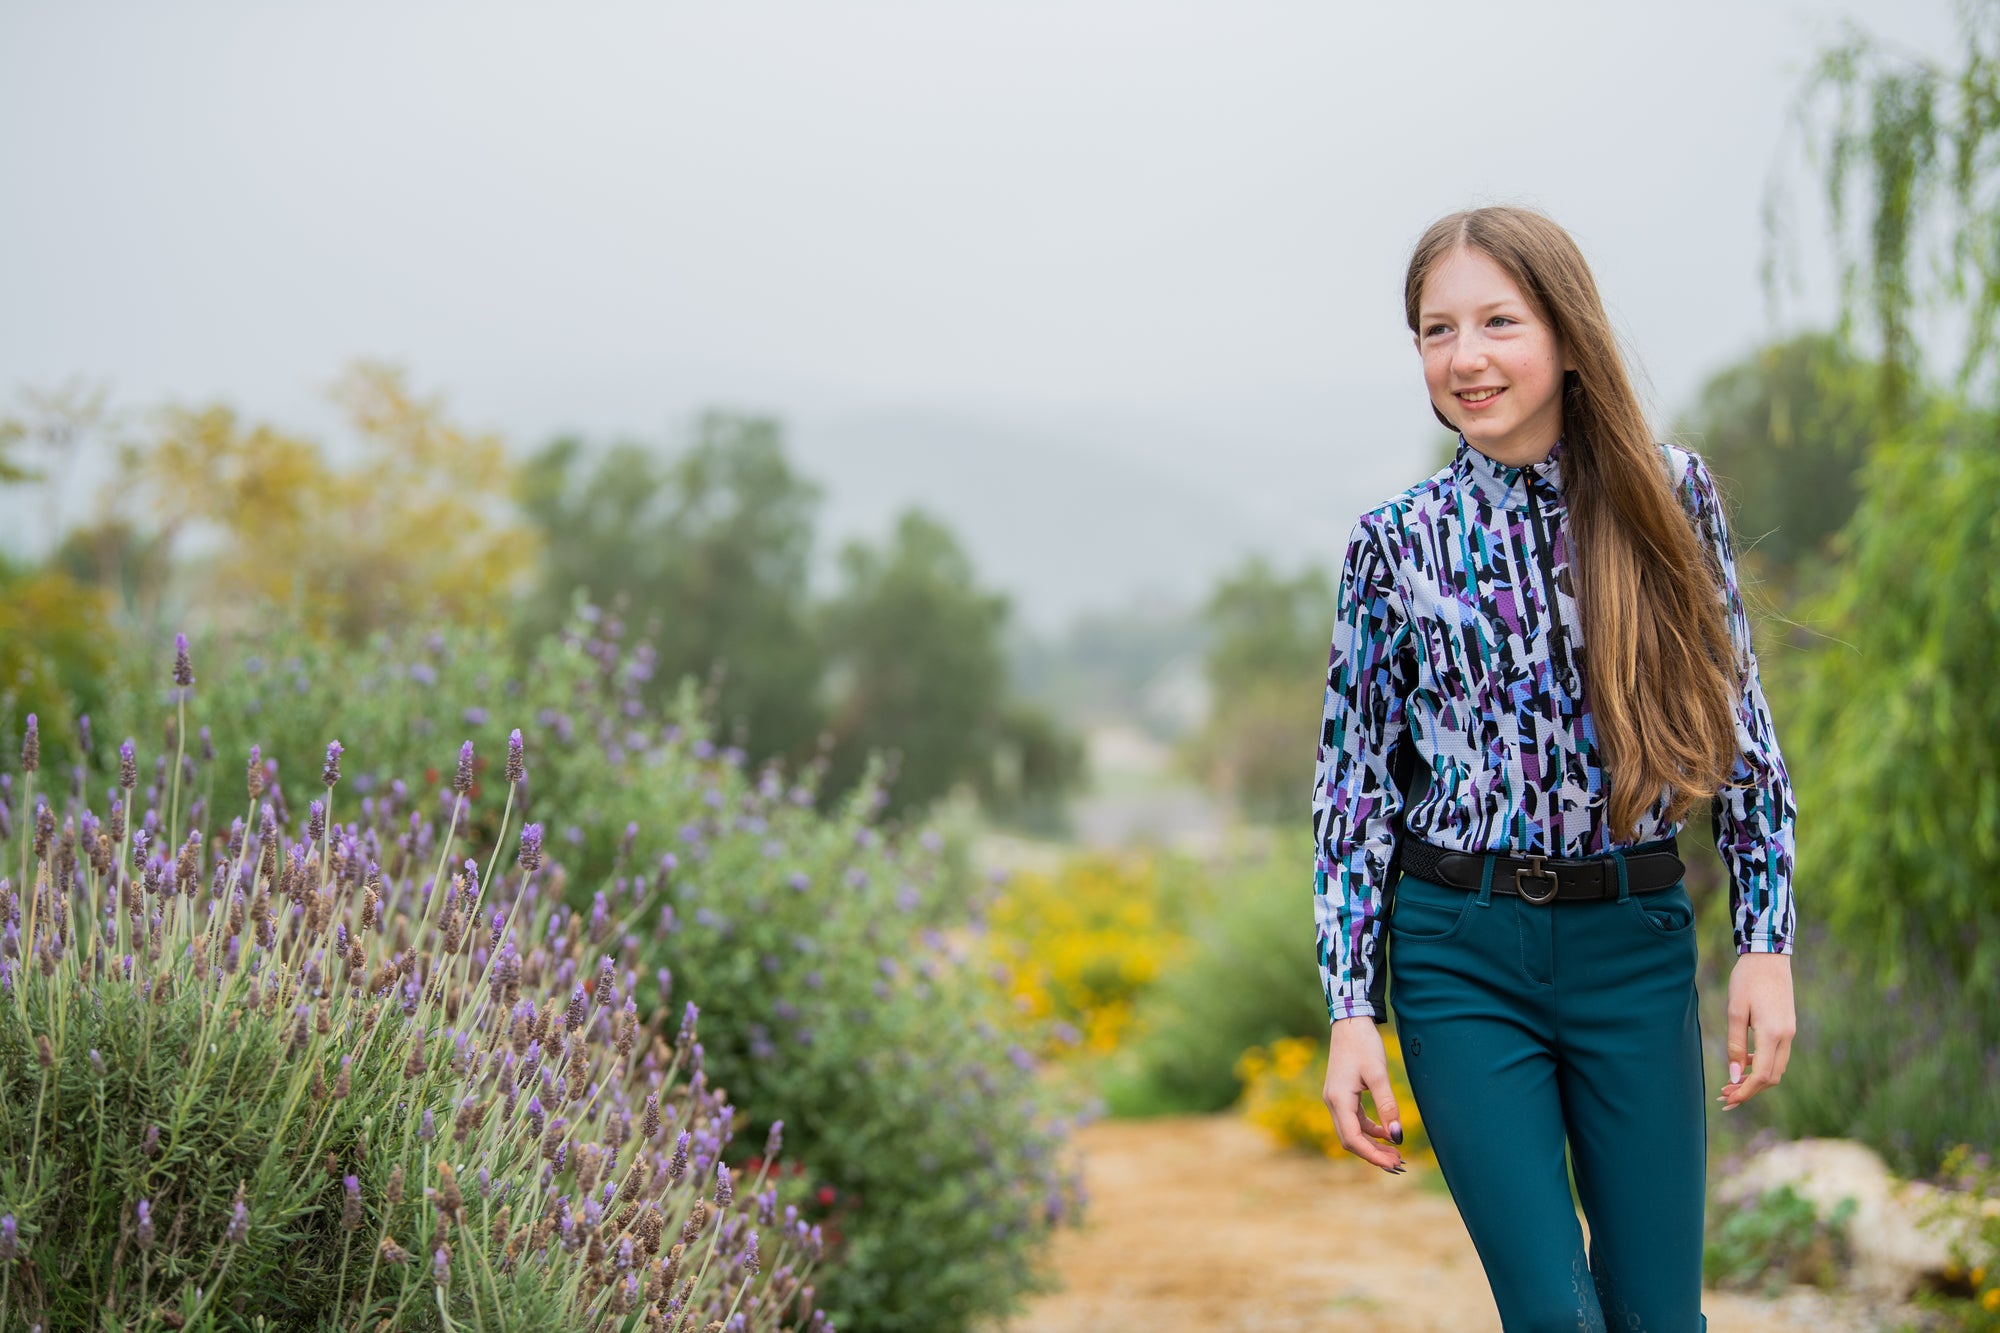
(1478, 395)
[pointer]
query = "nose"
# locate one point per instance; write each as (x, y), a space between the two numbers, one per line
(1468, 355)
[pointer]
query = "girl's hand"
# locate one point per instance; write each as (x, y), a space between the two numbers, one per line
(1760, 1002)
(1355, 1060)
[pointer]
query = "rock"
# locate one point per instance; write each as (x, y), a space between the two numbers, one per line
(1894, 1245)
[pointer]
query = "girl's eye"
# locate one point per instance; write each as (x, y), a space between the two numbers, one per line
(1434, 330)
(1500, 319)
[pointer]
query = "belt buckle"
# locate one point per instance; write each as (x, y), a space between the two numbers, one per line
(1535, 870)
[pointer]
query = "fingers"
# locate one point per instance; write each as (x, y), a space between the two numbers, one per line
(1377, 1079)
(1361, 1135)
(1767, 1067)
(1739, 1039)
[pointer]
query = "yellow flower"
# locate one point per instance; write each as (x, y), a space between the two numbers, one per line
(1282, 1096)
(1081, 945)
(1991, 1300)
(1979, 1275)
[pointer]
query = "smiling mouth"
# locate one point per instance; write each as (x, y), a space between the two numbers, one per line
(1478, 395)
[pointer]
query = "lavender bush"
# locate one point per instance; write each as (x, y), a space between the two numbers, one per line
(825, 949)
(336, 1071)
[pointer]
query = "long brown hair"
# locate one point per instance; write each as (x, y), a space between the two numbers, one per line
(1662, 670)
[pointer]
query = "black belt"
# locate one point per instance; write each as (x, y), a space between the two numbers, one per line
(1649, 868)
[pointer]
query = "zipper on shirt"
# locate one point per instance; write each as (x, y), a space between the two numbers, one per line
(1559, 652)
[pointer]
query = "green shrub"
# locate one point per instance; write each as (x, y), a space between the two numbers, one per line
(816, 943)
(1248, 982)
(334, 1072)
(1908, 1070)
(1774, 1240)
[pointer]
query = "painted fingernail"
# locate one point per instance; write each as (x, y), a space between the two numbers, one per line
(1396, 1132)
(1735, 1072)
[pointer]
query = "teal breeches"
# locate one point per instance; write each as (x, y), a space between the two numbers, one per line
(1527, 1029)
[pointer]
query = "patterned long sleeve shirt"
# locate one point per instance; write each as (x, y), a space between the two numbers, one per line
(1444, 639)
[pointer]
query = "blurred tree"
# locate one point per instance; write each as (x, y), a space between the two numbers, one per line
(1785, 430)
(1909, 152)
(1897, 734)
(918, 671)
(410, 533)
(1266, 667)
(709, 551)
(57, 642)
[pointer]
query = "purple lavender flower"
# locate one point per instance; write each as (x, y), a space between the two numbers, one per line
(688, 1017)
(239, 1224)
(441, 1266)
(800, 880)
(517, 768)
(142, 1230)
(315, 823)
(331, 773)
(83, 732)
(10, 1239)
(350, 1208)
(427, 1131)
(128, 766)
(665, 978)
(31, 745)
(475, 716)
(461, 781)
(207, 747)
(183, 668)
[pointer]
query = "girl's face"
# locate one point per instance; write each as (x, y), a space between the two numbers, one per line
(1491, 361)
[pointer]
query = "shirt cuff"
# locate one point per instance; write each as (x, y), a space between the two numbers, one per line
(1349, 1009)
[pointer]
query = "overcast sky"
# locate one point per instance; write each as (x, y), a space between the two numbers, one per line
(1112, 284)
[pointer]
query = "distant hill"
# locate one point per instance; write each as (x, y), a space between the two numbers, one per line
(1089, 511)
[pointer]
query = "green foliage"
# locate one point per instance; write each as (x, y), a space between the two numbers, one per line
(1266, 668)
(709, 552)
(918, 671)
(1785, 431)
(1773, 1241)
(281, 1078)
(1240, 987)
(1969, 1207)
(56, 653)
(1913, 148)
(818, 946)
(1897, 721)
(1908, 1070)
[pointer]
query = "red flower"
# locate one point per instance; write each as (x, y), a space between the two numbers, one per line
(825, 1195)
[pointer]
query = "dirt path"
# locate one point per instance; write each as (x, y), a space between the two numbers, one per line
(1198, 1224)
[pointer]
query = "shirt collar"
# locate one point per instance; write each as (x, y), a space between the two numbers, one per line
(1507, 487)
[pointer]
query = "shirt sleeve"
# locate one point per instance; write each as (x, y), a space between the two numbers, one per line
(1755, 814)
(1354, 797)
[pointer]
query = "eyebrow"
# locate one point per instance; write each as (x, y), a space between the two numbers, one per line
(1427, 316)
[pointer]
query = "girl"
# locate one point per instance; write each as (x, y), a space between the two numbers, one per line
(1549, 633)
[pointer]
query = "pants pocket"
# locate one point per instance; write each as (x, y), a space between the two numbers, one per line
(1426, 911)
(1668, 912)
